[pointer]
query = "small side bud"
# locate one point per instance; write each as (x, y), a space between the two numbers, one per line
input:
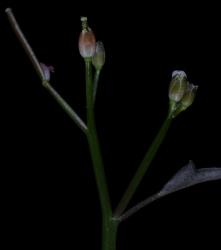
(87, 41)
(189, 96)
(177, 86)
(181, 93)
(47, 70)
(187, 100)
(98, 59)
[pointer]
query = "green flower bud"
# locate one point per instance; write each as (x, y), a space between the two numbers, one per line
(87, 41)
(189, 96)
(177, 86)
(187, 100)
(98, 59)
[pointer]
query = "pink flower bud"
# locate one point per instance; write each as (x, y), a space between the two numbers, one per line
(87, 41)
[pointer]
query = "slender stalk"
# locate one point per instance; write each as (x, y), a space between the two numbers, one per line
(29, 51)
(96, 80)
(94, 143)
(137, 207)
(36, 64)
(109, 226)
(66, 107)
(133, 185)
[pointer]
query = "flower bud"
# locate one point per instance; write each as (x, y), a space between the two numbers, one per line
(189, 96)
(87, 41)
(177, 86)
(98, 59)
(47, 70)
(187, 100)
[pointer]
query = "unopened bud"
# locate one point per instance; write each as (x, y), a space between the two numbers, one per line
(47, 70)
(177, 86)
(98, 59)
(187, 100)
(189, 96)
(87, 41)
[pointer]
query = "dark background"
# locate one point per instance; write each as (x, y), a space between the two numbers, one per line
(49, 195)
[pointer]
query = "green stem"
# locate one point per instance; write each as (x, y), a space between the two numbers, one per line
(65, 106)
(96, 80)
(109, 235)
(109, 226)
(143, 168)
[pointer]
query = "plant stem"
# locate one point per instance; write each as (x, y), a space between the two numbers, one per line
(143, 168)
(66, 107)
(109, 234)
(109, 226)
(137, 207)
(94, 144)
(29, 51)
(96, 80)
(36, 64)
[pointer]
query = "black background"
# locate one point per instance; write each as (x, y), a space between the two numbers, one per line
(49, 195)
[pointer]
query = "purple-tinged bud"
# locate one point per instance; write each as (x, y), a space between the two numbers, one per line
(189, 96)
(87, 41)
(47, 70)
(177, 86)
(98, 59)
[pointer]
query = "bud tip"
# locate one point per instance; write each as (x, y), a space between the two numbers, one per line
(7, 10)
(83, 19)
(180, 73)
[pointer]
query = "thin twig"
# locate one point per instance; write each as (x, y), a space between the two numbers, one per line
(96, 79)
(109, 227)
(35, 62)
(137, 178)
(137, 207)
(66, 107)
(186, 177)
(25, 43)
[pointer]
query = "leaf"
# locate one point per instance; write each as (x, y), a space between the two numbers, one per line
(185, 177)
(189, 176)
